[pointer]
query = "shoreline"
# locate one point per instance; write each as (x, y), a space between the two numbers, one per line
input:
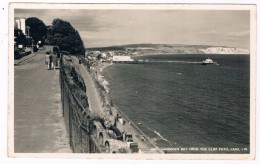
(105, 66)
(104, 90)
(150, 140)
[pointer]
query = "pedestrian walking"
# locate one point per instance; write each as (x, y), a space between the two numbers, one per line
(51, 61)
(47, 60)
(55, 60)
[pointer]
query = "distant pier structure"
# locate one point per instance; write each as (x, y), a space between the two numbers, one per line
(129, 60)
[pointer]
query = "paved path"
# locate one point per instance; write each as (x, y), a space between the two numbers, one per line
(92, 93)
(38, 122)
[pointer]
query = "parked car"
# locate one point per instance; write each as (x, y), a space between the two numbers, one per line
(129, 138)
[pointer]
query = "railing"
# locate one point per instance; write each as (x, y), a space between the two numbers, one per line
(76, 117)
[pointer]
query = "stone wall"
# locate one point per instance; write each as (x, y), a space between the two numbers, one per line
(76, 109)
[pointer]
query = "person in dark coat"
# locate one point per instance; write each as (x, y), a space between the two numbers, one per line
(51, 61)
(55, 60)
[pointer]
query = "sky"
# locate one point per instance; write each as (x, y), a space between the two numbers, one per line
(102, 27)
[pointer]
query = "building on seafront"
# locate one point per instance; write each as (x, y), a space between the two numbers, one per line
(122, 59)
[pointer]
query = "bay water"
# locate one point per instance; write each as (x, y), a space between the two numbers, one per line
(184, 104)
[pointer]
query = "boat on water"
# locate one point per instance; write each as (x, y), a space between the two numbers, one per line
(207, 62)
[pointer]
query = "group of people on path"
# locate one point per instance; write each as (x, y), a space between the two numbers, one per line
(51, 60)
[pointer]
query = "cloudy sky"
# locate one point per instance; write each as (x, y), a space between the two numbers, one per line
(116, 27)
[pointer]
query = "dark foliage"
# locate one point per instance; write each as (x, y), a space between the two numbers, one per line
(61, 33)
(37, 28)
(18, 54)
(19, 37)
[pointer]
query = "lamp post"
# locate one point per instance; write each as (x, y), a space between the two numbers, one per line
(28, 34)
(32, 44)
(28, 31)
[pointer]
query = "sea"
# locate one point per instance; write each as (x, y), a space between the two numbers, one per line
(184, 104)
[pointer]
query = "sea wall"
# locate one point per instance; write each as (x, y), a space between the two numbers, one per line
(76, 109)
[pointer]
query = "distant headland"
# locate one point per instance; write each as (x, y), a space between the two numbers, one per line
(148, 48)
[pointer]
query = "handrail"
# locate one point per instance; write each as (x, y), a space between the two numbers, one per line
(77, 110)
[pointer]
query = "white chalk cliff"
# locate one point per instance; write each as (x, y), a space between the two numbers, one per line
(223, 50)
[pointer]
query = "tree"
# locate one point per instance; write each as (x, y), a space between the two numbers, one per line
(19, 37)
(61, 33)
(37, 28)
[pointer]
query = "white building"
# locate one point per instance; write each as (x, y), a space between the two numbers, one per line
(20, 24)
(122, 59)
(103, 55)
